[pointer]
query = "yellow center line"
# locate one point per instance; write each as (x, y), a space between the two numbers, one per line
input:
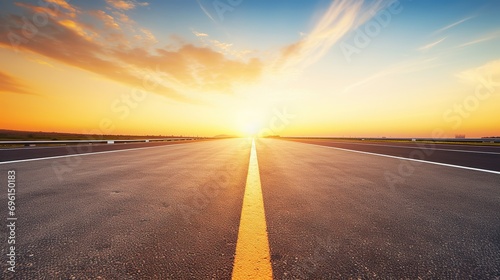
(252, 259)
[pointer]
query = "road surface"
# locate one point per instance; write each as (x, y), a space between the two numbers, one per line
(477, 156)
(21, 153)
(178, 212)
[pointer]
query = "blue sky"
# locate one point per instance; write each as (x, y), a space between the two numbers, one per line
(227, 66)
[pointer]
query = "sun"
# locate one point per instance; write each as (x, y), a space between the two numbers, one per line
(250, 129)
(250, 124)
(251, 117)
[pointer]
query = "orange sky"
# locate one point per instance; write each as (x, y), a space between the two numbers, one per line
(123, 67)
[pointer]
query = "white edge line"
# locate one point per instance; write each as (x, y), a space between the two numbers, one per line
(410, 159)
(423, 148)
(86, 154)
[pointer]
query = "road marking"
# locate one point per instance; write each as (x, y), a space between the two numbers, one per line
(252, 259)
(410, 159)
(422, 148)
(86, 154)
(70, 145)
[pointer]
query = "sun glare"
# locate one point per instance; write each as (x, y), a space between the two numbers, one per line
(250, 129)
(250, 123)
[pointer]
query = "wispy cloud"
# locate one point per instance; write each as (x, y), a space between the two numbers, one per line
(485, 38)
(122, 17)
(107, 19)
(340, 18)
(41, 62)
(125, 5)
(179, 71)
(222, 47)
(205, 11)
(41, 10)
(199, 34)
(488, 72)
(11, 84)
(149, 36)
(452, 25)
(405, 67)
(431, 45)
(70, 9)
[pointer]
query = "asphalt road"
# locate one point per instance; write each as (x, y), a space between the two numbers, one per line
(173, 212)
(169, 212)
(476, 156)
(333, 214)
(21, 153)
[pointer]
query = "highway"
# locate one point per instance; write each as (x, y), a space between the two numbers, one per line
(22, 153)
(274, 208)
(475, 156)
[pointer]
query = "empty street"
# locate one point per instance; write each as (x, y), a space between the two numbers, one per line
(177, 211)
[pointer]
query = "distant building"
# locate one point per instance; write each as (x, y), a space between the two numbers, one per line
(460, 136)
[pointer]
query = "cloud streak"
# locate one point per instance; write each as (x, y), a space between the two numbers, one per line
(340, 18)
(221, 47)
(408, 66)
(125, 5)
(205, 11)
(480, 40)
(431, 45)
(10, 84)
(489, 72)
(452, 25)
(107, 51)
(70, 9)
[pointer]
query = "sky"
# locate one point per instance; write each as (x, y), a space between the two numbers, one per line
(340, 68)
